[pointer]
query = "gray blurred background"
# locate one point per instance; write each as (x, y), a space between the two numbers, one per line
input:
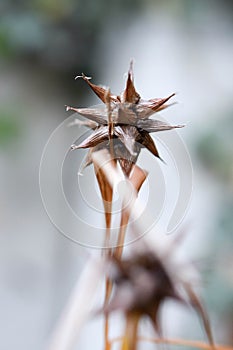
(183, 46)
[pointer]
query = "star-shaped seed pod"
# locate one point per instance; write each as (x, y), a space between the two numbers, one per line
(124, 122)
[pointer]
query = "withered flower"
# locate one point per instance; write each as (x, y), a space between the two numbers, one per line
(143, 282)
(124, 121)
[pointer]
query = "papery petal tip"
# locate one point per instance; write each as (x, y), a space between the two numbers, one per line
(83, 76)
(73, 147)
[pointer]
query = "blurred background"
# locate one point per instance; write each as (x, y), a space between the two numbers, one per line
(183, 46)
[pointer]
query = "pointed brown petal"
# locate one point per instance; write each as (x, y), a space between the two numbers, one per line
(145, 108)
(151, 125)
(98, 90)
(126, 166)
(88, 123)
(127, 134)
(88, 160)
(130, 94)
(98, 136)
(201, 311)
(147, 141)
(161, 108)
(95, 114)
(144, 111)
(157, 102)
(153, 314)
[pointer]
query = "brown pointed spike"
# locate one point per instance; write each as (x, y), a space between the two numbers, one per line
(154, 317)
(147, 141)
(156, 103)
(126, 166)
(98, 90)
(130, 94)
(97, 137)
(201, 311)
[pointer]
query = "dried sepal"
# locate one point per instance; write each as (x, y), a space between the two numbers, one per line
(100, 91)
(98, 136)
(150, 125)
(146, 108)
(146, 141)
(197, 305)
(130, 94)
(88, 123)
(156, 103)
(93, 114)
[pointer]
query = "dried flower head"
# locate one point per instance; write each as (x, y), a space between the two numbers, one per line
(144, 281)
(125, 122)
(142, 284)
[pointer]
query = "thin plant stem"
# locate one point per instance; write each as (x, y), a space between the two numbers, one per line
(180, 342)
(107, 193)
(137, 178)
(108, 283)
(129, 341)
(121, 236)
(108, 290)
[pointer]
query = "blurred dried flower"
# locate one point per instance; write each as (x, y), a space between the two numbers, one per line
(143, 282)
(131, 126)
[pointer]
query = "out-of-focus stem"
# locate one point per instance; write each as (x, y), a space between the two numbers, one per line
(121, 235)
(129, 341)
(108, 290)
(180, 342)
(107, 193)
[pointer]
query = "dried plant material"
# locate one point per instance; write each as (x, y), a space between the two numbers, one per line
(98, 90)
(94, 139)
(180, 342)
(129, 341)
(130, 94)
(139, 284)
(106, 193)
(195, 302)
(137, 178)
(142, 284)
(130, 124)
(88, 123)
